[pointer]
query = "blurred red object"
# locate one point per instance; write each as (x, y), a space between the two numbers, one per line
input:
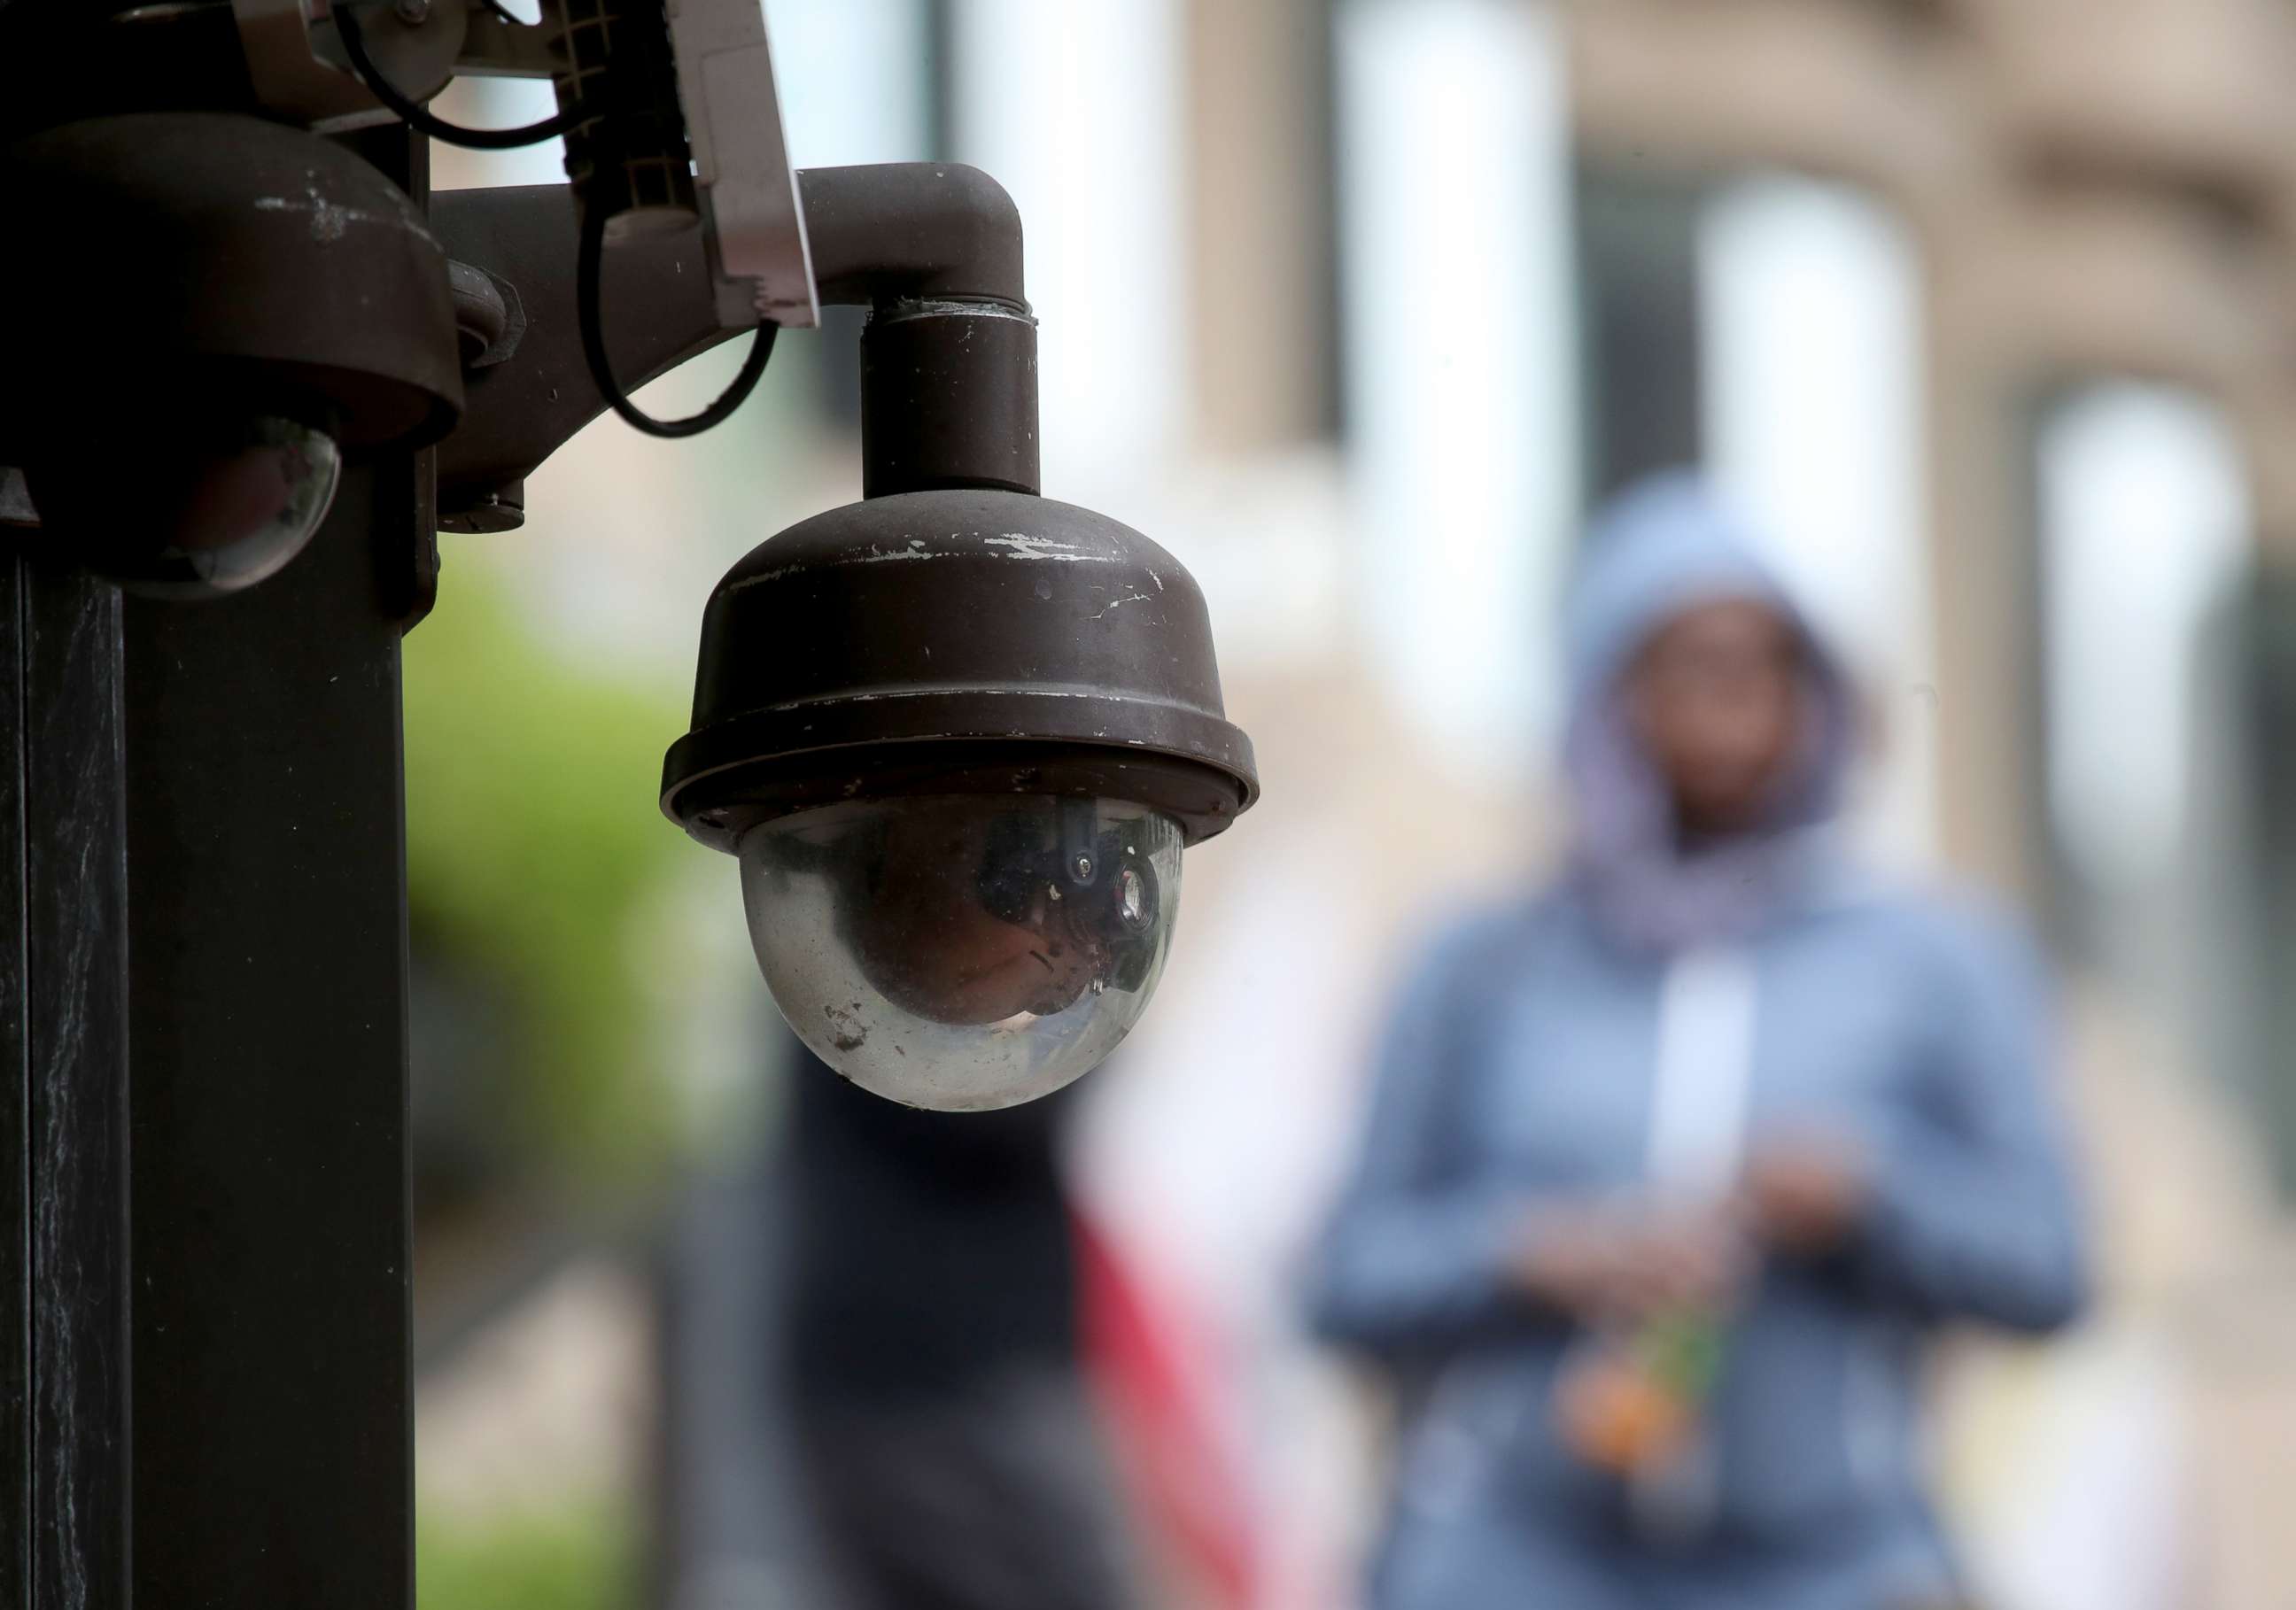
(1149, 1370)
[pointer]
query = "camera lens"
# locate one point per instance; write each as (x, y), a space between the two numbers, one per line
(962, 953)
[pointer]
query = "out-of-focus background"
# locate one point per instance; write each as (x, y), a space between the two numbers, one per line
(1983, 308)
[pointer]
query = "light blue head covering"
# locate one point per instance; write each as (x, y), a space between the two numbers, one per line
(1667, 546)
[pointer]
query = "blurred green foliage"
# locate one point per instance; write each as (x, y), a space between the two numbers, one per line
(533, 841)
(581, 1558)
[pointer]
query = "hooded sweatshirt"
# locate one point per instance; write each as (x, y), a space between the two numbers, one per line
(1630, 1031)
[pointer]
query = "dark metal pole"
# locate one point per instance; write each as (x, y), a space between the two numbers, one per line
(16, 1496)
(267, 958)
(67, 871)
(205, 1393)
(268, 953)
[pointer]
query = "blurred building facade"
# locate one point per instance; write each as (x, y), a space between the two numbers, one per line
(2095, 192)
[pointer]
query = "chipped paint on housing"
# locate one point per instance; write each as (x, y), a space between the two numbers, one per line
(877, 556)
(874, 556)
(1019, 545)
(758, 580)
(819, 700)
(1024, 546)
(1129, 598)
(331, 220)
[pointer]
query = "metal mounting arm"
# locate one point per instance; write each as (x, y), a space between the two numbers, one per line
(948, 360)
(912, 230)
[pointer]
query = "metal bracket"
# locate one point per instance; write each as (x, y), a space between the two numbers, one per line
(661, 309)
(742, 164)
(934, 246)
(489, 317)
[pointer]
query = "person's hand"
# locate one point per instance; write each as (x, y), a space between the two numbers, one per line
(1606, 1265)
(1807, 1196)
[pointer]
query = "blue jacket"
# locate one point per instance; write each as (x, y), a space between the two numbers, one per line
(1524, 1064)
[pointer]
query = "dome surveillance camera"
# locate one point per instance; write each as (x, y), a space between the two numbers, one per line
(958, 734)
(245, 304)
(958, 740)
(214, 507)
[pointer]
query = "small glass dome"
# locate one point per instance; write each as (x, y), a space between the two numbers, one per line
(962, 953)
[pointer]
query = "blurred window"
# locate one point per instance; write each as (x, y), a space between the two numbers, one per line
(1638, 287)
(1455, 153)
(2144, 524)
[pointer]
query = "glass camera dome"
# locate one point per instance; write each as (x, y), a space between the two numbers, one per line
(962, 953)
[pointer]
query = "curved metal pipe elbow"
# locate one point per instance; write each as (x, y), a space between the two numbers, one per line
(894, 231)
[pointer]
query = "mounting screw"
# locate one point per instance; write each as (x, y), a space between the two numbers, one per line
(414, 13)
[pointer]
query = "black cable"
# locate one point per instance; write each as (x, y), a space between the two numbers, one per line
(418, 119)
(587, 258)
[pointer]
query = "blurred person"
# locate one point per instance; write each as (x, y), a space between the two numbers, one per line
(948, 1449)
(1672, 1166)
